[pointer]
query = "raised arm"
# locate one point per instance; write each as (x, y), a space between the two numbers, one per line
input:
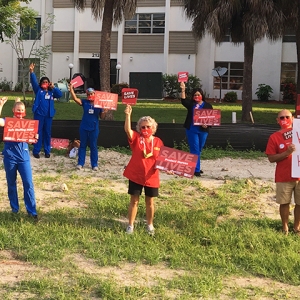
(2, 102)
(127, 125)
(33, 79)
(75, 98)
(182, 86)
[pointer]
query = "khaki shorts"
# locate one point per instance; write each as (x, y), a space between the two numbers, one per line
(284, 192)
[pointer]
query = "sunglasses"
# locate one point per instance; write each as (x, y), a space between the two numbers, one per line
(146, 127)
(282, 117)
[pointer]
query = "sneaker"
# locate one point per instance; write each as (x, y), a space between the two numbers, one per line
(95, 168)
(129, 229)
(36, 155)
(150, 230)
(197, 174)
(201, 172)
(47, 155)
(78, 167)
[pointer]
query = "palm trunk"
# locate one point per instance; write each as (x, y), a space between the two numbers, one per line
(105, 50)
(247, 82)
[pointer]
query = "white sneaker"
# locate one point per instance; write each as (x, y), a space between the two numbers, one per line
(150, 230)
(78, 167)
(129, 229)
(95, 168)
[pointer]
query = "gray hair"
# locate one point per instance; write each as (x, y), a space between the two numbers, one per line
(147, 119)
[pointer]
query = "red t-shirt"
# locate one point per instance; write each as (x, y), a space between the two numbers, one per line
(142, 170)
(278, 142)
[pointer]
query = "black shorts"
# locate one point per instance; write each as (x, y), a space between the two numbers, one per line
(136, 189)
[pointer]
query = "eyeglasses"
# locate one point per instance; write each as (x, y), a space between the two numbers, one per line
(282, 117)
(144, 127)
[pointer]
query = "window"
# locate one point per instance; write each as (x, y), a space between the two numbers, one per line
(289, 36)
(233, 78)
(32, 33)
(288, 73)
(146, 23)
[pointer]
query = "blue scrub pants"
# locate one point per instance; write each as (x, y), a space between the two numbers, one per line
(196, 141)
(11, 167)
(45, 126)
(88, 138)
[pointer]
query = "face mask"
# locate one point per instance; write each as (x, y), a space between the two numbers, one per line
(91, 97)
(198, 98)
(19, 115)
(44, 86)
(146, 133)
(285, 123)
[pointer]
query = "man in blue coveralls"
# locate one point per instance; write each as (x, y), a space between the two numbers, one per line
(43, 110)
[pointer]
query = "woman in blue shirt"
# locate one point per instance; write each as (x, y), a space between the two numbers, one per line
(43, 110)
(89, 127)
(17, 159)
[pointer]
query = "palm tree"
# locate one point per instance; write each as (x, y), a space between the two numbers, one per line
(111, 11)
(248, 21)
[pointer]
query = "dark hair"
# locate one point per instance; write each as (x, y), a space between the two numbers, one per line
(44, 78)
(198, 90)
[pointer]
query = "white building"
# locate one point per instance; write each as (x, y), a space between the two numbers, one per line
(158, 39)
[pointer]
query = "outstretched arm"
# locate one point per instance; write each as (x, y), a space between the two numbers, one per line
(75, 98)
(2, 102)
(127, 125)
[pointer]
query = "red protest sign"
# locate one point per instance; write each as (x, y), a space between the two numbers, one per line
(180, 162)
(106, 100)
(183, 76)
(20, 130)
(59, 143)
(76, 82)
(129, 96)
(209, 117)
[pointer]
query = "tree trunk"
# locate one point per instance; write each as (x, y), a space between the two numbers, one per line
(247, 82)
(105, 50)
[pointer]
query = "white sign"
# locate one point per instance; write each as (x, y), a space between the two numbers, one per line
(296, 154)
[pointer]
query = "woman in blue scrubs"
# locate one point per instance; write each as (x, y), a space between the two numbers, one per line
(17, 159)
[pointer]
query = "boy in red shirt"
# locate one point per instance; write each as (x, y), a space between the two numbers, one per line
(279, 150)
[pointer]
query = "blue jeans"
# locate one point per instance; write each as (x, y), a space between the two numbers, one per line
(196, 141)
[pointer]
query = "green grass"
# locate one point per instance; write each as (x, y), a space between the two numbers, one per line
(161, 111)
(190, 243)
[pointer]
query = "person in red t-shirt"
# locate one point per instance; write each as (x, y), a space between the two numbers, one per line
(279, 149)
(141, 170)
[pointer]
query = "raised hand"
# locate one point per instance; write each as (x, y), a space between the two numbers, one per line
(128, 110)
(31, 67)
(3, 100)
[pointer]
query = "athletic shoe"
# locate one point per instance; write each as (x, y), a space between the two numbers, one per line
(95, 168)
(78, 167)
(129, 229)
(197, 174)
(36, 155)
(47, 155)
(150, 230)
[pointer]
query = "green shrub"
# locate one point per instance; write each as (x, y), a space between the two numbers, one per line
(117, 88)
(230, 97)
(263, 92)
(5, 85)
(289, 91)
(172, 89)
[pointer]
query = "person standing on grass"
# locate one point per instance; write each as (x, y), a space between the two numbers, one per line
(279, 150)
(141, 170)
(196, 134)
(17, 158)
(43, 110)
(89, 127)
